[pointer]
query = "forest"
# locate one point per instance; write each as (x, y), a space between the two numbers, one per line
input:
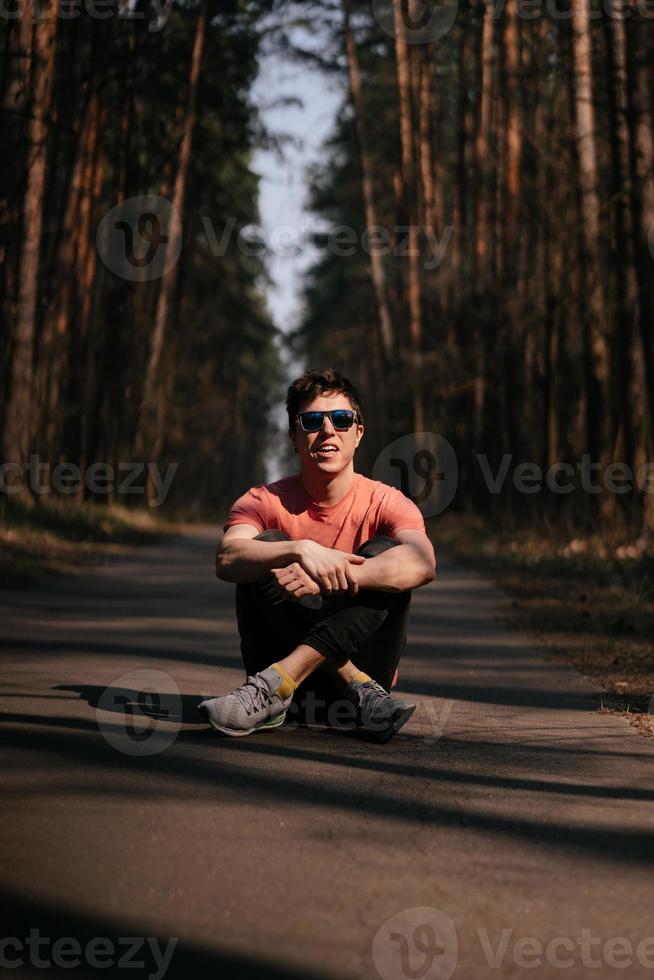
(104, 358)
(515, 150)
(484, 269)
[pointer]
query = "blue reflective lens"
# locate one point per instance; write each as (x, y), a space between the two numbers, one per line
(342, 419)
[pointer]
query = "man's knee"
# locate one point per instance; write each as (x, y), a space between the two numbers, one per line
(376, 545)
(272, 534)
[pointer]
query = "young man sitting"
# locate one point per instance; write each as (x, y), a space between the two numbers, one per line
(324, 563)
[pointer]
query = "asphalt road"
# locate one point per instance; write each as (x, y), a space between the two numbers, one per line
(507, 831)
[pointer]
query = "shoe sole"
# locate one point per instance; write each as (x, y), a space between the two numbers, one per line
(398, 722)
(265, 726)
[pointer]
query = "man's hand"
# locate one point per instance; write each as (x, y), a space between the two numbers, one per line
(294, 583)
(329, 568)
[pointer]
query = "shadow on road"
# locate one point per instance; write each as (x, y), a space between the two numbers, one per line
(124, 940)
(208, 767)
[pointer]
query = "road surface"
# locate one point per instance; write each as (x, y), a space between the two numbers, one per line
(505, 832)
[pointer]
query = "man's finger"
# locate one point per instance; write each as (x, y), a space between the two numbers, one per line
(313, 575)
(353, 583)
(356, 559)
(312, 587)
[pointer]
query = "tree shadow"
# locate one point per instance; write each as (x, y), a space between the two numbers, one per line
(181, 709)
(23, 916)
(158, 705)
(214, 774)
(132, 650)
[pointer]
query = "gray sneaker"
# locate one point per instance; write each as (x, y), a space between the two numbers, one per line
(377, 710)
(253, 707)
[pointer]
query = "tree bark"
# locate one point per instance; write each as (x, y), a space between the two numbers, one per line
(641, 165)
(641, 168)
(148, 415)
(92, 329)
(512, 173)
(425, 138)
(622, 396)
(484, 159)
(14, 109)
(377, 273)
(409, 196)
(18, 419)
(594, 325)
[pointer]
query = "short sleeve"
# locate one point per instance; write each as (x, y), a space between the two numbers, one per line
(248, 509)
(398, 513)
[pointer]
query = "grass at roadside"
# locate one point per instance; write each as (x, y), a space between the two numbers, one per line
(59, 538)
(576, 599)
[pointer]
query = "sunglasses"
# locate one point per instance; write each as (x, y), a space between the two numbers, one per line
(341, 419)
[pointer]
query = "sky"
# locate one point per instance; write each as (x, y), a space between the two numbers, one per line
(282, 186)
(282, 200)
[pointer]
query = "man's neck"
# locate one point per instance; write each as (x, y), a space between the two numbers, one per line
(327, 489)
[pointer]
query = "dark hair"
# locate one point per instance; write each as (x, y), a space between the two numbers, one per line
(315, 382)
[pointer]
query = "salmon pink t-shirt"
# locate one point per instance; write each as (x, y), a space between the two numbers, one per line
(368, 508)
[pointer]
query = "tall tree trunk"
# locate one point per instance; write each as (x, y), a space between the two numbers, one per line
(433, 298)
(14, 110)
(623, 396)
(550, 260)
(121, 296)
(18, 419)
(425, 138)
(484, 248)
(483, 235)
(409, 196)
(640, 137)
(147, 426)
(594, 326)
(641, 168)
(460, 177)
(512, 339)
(377, 274)
(513, 173)
(55, 340)
(92, 329)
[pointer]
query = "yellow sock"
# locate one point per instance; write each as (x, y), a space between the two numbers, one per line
(288, 685)
(361, 677)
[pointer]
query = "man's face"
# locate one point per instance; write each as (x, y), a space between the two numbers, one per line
(310, 445)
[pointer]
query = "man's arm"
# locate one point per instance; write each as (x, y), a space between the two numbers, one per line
(409, 565)
(240, 559)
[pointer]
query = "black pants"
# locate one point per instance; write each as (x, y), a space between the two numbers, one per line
(369, 628)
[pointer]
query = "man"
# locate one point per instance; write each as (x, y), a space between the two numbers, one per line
(324, 563)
